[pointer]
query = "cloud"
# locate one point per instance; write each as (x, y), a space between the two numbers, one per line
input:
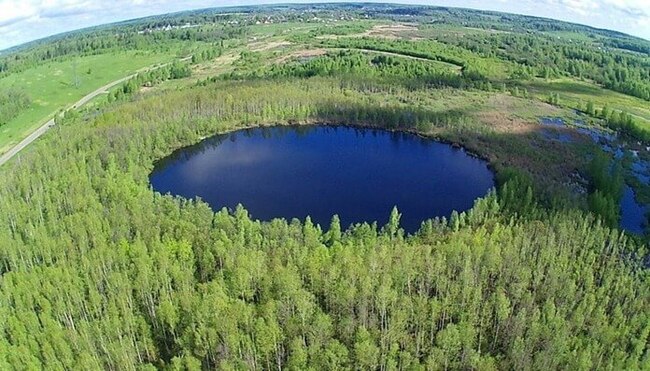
(582, 7)
(66, 11)
(15, 19)
(26, 20)
(14, 12)
(630, 8)
(637, 8)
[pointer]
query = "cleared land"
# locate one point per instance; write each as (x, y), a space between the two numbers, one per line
(55, 86)
(573, 92)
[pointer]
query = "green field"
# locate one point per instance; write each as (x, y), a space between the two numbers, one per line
(51, 86)
(573, 93)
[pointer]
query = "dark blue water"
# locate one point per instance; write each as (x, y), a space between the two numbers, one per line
(359, 174)
(641, 171)
(633, 214)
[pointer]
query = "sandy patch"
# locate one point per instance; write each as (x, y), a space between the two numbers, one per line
(393, 31)
(386, 31)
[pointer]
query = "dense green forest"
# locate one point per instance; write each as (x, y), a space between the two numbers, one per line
(547, 57)
(98, 271)
(470, 63)
(378, 69)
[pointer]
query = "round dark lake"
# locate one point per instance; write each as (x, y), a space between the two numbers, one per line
(359, 174)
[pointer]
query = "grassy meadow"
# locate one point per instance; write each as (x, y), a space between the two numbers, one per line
(574, 93)
(53, 86)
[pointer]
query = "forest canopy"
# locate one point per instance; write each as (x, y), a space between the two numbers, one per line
(12, 102)
(99, 271)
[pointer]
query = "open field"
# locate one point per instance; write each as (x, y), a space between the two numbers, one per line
(390, 31)
(54, 86)
(574, 92)
(277, 29)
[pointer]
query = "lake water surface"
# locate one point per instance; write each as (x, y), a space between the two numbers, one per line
(359, 174)
(633, 214)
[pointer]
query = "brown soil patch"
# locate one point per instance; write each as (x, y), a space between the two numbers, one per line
(305, 53)
(393, 31)
(263, 46)
(503, 122)
(506, 113)
(214, 67)
(386, 31)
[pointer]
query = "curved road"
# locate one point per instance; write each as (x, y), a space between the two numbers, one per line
(41, 130)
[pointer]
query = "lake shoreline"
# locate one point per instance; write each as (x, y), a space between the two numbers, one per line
(358, 173)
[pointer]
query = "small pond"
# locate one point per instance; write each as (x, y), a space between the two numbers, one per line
(633, 214)
(359, 174)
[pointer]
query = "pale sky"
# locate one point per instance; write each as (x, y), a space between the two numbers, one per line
(25, 20)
